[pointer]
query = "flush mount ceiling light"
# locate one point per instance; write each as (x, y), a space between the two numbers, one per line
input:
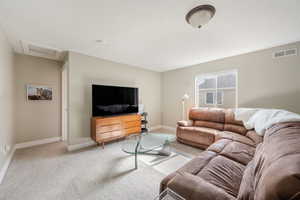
(200, 15)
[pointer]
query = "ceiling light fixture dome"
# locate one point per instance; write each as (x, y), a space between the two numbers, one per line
(200, 15)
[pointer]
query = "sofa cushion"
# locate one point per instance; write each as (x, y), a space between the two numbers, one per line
(224, 173)
(277, 163)
(233, 125)
(246, 191)
(194, 166)
(207, 114)
(204, 178)
(192, 187)
(207, 124)
(230, 119)
(210, 131)
(273, 182)
(233, 150)
(254, 137)
(235, 137)
(184, 123)
(197, 164)
(204, 136)
(279, 181)
(219, 145)
(235, 128)
(238, 152)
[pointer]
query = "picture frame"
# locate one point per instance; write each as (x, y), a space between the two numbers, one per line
(36, 92)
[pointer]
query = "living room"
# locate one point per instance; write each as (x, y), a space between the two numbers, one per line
(129, 99)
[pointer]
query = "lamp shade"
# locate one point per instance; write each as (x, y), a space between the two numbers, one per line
(185, 97)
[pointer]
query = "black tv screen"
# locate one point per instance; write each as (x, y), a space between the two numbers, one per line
(114, 100)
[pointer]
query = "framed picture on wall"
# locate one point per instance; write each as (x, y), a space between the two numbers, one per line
(39, 93)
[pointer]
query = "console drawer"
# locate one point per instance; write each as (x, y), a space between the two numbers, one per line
(107, 121)
(131, 124)
(104, 129)
(108, 135)
(107, 128)
(129, 118)
(132, 130)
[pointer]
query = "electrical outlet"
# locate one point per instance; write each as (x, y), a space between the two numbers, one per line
(5, 148)
(2, 149)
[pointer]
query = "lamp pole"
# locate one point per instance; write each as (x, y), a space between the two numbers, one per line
(184, 97)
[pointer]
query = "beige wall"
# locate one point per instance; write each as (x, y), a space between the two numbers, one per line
(262, 82)
(42, 119)
(85, 70)
(7, 80)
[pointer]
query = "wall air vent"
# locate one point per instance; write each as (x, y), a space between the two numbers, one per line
(42, 51)
(285, 53)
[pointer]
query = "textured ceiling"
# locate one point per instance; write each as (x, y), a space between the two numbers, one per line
(151, 34)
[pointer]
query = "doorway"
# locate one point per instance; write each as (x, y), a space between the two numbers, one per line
(64, 96)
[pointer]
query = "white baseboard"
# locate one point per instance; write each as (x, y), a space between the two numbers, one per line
(155, 127)
(6, 164)
(74, 147)
(21, 146)
(37, 142)
(170, 128)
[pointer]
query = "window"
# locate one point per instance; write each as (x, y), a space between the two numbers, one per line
(218, 90)
(220, 95)
(210, 98)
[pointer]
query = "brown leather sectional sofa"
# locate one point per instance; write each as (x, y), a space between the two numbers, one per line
(237, 163)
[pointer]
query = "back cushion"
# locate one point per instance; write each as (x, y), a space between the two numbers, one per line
(207, 124)
(230, 119)
(233, 125)
(235, 128)
(246, 191)
(207, 114)
(276, 165)
(254, 137)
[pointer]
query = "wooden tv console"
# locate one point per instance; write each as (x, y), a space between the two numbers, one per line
(106, 129)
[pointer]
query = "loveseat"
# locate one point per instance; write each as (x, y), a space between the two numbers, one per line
(237, 163)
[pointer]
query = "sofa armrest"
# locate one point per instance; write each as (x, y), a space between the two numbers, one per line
(184, 123)
(193, 187)
(165, 181)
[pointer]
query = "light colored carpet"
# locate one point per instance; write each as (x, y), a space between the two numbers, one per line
(171, 164)
(49, 172)
(154, 159)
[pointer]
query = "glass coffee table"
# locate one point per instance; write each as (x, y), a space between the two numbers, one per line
(148, 143)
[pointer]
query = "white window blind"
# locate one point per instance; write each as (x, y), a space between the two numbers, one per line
(217, 89)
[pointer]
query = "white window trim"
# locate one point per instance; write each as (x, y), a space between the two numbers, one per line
(196, 90)
(210, 89)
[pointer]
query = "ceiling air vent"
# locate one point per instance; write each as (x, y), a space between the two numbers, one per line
(284, 53)
(41, 51)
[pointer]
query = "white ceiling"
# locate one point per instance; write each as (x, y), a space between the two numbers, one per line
(151, 33)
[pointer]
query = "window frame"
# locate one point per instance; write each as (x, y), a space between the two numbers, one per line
(215, 75)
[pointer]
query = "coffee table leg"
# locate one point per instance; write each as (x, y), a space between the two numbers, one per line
(136, 153)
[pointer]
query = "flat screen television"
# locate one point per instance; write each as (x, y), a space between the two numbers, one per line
(114, 100)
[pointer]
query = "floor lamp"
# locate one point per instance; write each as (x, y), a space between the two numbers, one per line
(183, 99)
